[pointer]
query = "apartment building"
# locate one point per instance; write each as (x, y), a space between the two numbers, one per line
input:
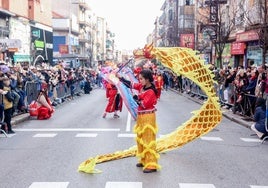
(25, 31)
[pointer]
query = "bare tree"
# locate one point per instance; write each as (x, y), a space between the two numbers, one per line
(224, 26)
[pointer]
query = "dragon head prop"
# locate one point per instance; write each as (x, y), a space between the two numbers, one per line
(145, 52)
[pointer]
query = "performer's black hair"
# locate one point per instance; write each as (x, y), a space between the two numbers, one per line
(148, 74)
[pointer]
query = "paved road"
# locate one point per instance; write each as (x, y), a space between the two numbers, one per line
(46, 154)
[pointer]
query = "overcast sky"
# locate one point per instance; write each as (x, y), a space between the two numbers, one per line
(130, 20)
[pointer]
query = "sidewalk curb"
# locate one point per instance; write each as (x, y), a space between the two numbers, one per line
(19, 119)
(24, 117)
(225, 113)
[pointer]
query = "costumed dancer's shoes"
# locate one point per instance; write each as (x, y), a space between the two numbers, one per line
(149, 170)
(139, 165)
(116, 116)
(104, 115)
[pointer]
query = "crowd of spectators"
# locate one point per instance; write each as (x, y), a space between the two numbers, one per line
(20, 78)
(237, 88)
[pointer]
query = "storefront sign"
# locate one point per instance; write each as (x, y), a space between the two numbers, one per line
(22, 58)
(238, 48)
(43, 45)
(187, 40)
(63, 49)
(247, 36)
(12, 44)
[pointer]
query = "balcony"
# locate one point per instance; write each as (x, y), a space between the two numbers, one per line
(82, 4)
(84, 39)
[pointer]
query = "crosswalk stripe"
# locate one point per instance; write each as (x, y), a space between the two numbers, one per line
(43, 135)
(250, 139)
(123, 185)
(195, 185)
(68, 130)
(86, 135)
(126, 135)
(211, 138)
(258, 186)
(49, 185)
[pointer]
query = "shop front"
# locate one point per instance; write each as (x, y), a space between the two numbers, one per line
(20, 29)
(42, 45)
(253, 52)
(238, 52)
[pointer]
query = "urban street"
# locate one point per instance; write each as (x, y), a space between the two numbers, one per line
(47, 153)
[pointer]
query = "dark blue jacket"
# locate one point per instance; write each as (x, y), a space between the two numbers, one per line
(259, 118)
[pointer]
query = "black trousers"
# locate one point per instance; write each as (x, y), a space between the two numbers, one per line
(7, 119)
(117, 101)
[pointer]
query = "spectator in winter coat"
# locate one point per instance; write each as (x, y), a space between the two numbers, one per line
(259, 117)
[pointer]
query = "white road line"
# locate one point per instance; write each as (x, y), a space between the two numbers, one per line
(126, 135)
(68, 130)
(49, 185)
(195, 185)
(8, 136)
(86, 135)
(258, 186)
(211, 138)
(123, 185)
(45, 135)
(128, 122)
(250, 139)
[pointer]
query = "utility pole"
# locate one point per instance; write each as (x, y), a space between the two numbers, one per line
(70, 27)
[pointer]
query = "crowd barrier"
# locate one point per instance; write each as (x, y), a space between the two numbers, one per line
(59, 91)
(227, 97)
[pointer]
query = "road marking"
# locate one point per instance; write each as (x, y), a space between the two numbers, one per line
(45, 135)
(258, 186)
(8, 135)
(68, 130)
(49, 185)
(193, 185)
(86, 135)
(126, 135)
(211, 138)
(123, 185)
(250, 139)
(128, 122)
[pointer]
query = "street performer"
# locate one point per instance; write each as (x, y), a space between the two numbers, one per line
(114, 100)
(145, 127)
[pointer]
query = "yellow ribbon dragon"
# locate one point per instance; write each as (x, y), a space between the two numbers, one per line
(183, 61)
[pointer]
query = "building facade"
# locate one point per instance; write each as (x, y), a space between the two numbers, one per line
(18, 21)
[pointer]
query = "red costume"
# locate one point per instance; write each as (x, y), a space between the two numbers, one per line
(45, 109)
(159, 82)
(115, 101)
(147, 98)
(44, 112)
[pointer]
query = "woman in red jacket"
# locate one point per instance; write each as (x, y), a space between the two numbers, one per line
(145, 127)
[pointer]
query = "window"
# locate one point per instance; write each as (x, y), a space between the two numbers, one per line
(170, 15)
